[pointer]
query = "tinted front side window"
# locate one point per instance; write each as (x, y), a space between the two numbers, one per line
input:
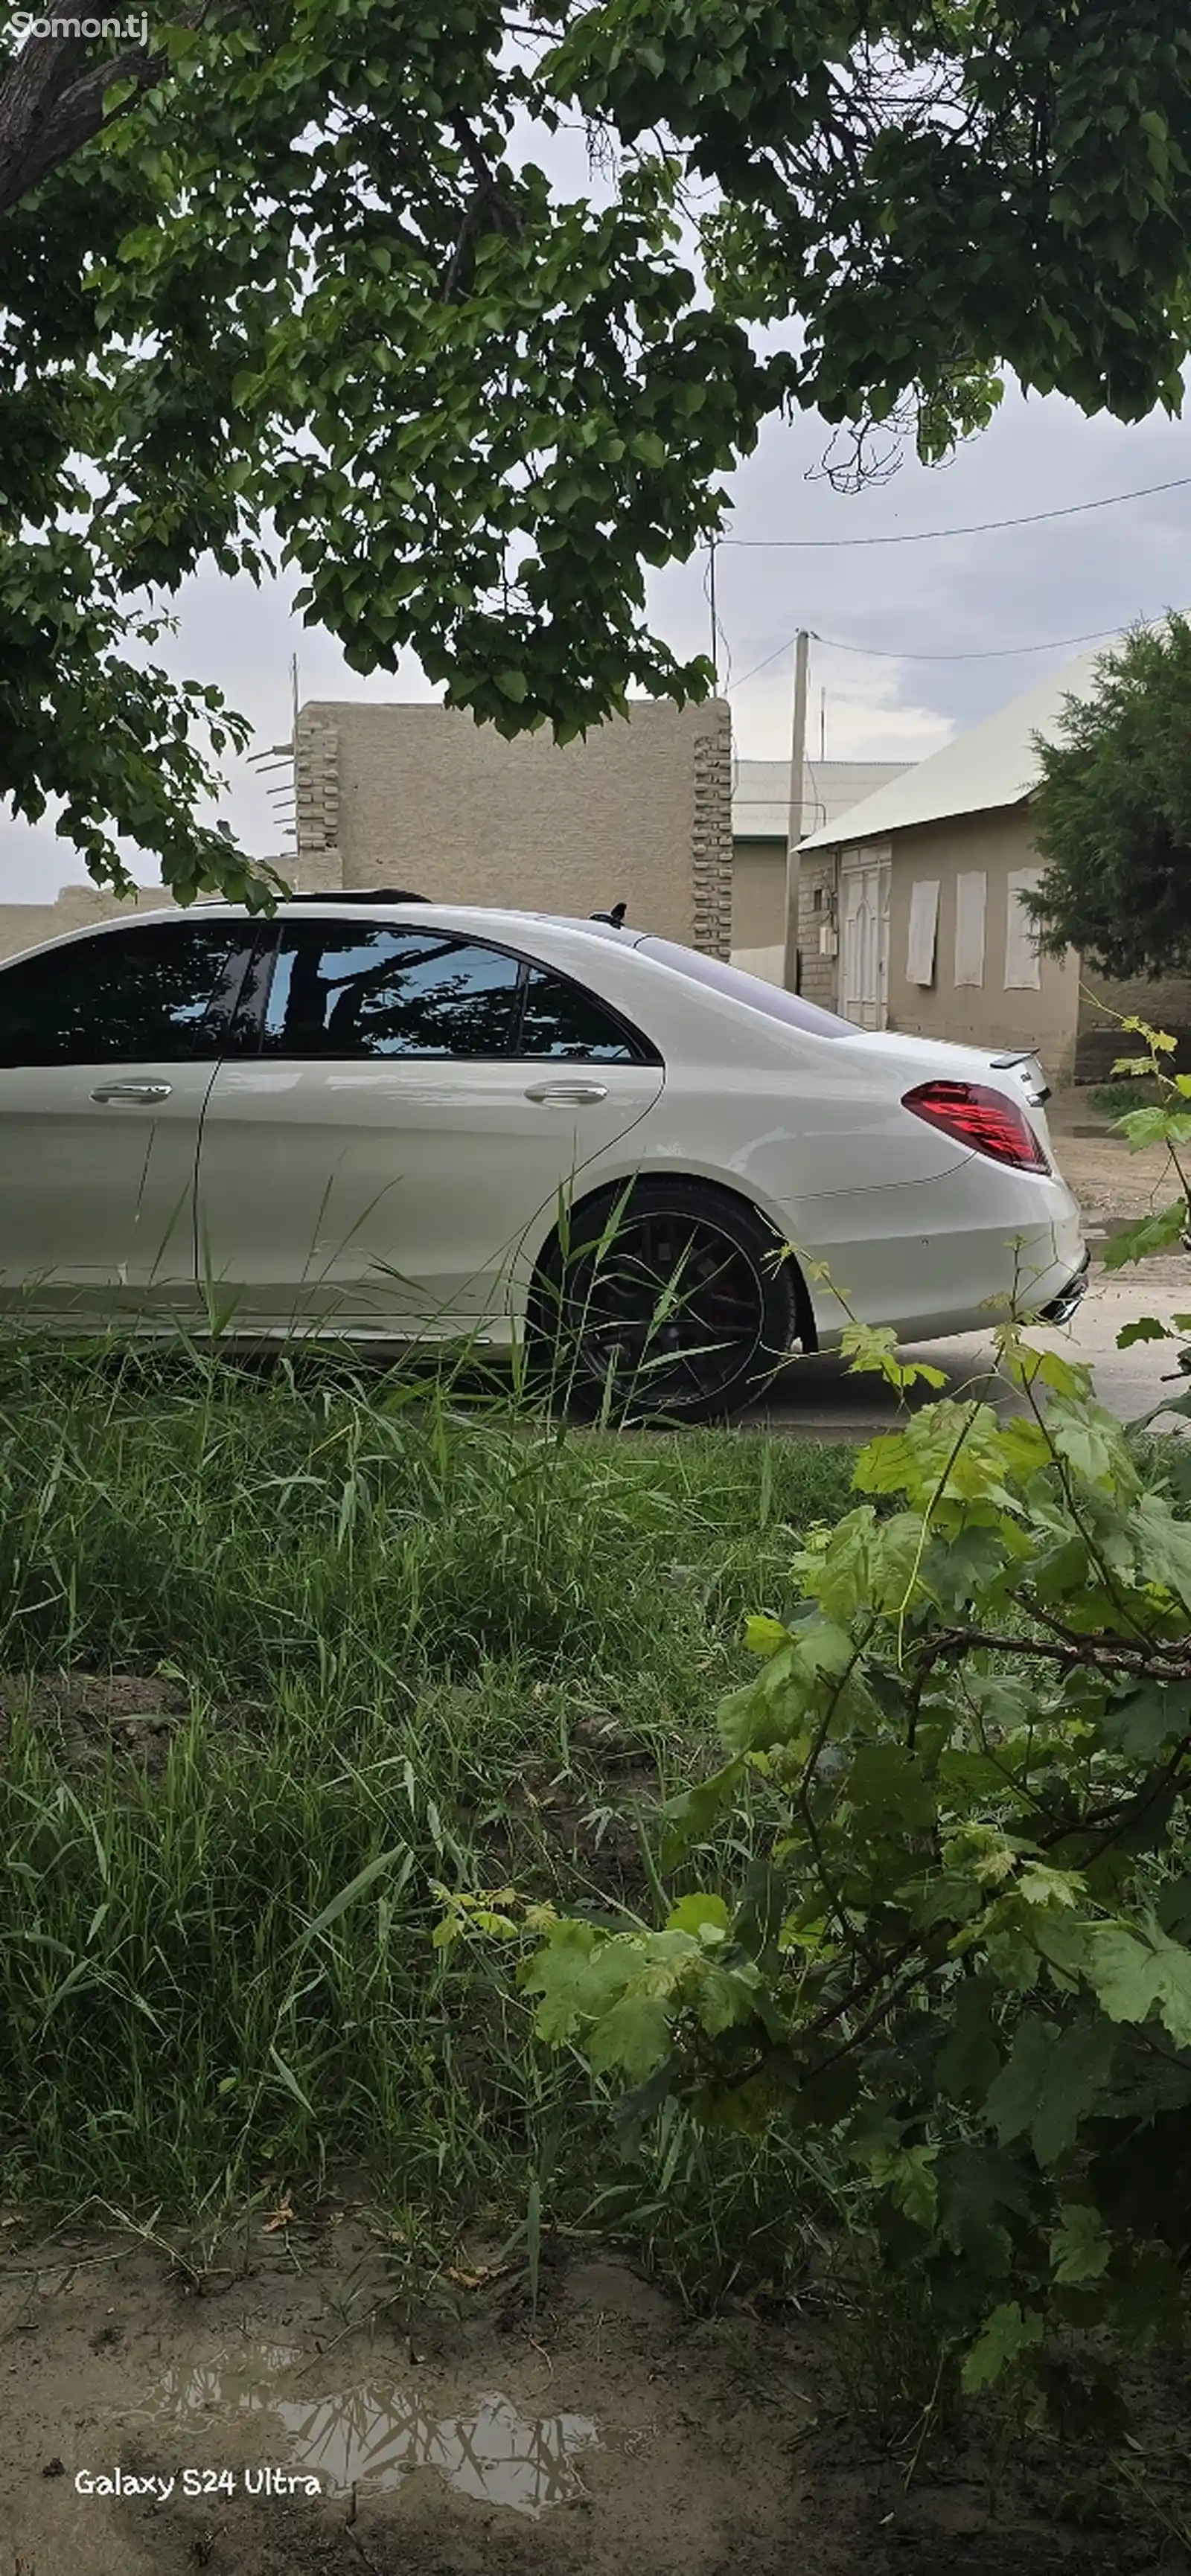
(157, 994)
(359, 990)
(560, 1019)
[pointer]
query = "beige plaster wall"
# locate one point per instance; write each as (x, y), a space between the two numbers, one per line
(75, 907)
(985, 1015)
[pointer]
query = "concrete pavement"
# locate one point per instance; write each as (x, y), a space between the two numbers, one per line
(820, 1398)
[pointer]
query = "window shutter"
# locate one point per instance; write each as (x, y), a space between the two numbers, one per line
(970, 895)
(924, 922)
(1021, 954)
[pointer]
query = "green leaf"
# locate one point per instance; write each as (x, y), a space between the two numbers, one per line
(698, 1914)
(888, 1780)
(978, 2189)
(1008, 2333)
(1091, 1441)
(357, 1886)
(763, 1636)
(290, 2081)
(1141, 1721)
(969, 2060)
(1051, 2082)
(634, 2036)
(691, 1817)
(1018, 2091)
(1132, 1976)
(1151, 1234)
(907, 2174)
(874, 1348)
(1163, 1545)
(1081, 2248)
(1146, 1329)
(577, 1974)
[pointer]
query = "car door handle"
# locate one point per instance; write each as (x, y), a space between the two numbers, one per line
(134, 1091)
(567, 1095)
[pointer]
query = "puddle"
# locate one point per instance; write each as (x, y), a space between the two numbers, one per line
(376, 2434)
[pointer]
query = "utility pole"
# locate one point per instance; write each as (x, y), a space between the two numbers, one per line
(715, 630)
(794, 824)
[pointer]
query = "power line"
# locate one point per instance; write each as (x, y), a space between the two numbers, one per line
(974, 528)
(883, 653)
(996, 653)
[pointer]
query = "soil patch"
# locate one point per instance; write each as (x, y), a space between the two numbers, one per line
(89, 1715)
(1108, 1180)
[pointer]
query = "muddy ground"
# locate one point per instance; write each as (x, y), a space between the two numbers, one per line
(1111, 1183)
(604, 2435)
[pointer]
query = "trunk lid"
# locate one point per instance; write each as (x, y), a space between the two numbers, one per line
(1015, 1071)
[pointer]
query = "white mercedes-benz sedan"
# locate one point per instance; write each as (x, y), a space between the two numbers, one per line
(382, 1119)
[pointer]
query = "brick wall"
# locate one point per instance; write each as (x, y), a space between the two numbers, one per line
(816, 876)
(1165, 1003)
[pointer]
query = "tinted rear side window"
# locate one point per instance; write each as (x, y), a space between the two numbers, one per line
(561, 1019)
(159, 993)
(772, 999)
(358, 990)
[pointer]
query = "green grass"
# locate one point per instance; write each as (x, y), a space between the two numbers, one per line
(417, 1644)
(1116, 1099)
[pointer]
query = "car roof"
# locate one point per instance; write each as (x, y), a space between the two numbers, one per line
(368, 899)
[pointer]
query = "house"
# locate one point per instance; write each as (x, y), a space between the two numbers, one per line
(910, 913)
(760, 823)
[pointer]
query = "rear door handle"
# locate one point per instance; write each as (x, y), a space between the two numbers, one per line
(567, 1095)
(134, 1091)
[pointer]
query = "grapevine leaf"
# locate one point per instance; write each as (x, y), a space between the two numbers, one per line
(1141, 1721)
(1006, 2335)
(690, 1818)
(1150, 1234)
(1081, 2250)
(699, 1914)
(634, 2035)
(1163, 1544)
(576, 1975)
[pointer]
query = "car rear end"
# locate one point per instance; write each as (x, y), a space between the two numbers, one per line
(1004, 1233)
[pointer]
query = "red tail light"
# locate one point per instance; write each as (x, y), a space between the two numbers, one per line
(980, 1118)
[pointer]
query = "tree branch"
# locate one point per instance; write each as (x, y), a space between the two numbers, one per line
(1116, 1654)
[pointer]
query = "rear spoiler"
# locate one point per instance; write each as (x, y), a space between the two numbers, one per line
(1040, 1091)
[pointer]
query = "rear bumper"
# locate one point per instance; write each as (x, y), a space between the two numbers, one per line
(1061, 1308)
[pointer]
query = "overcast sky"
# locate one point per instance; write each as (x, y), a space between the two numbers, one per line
(973, 596)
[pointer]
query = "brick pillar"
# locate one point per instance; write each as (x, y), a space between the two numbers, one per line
(319, 864)
(711, 842)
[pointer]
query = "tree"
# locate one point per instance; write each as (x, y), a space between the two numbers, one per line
(1113, 812)
(959, 1957)
(280, 279)
(932, 1912)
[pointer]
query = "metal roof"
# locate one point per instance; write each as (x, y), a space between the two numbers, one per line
(993, 764)
(761, 792)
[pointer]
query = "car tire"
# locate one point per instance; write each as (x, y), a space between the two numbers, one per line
(664, 1301)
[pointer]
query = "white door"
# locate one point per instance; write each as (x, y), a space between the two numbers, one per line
(864, 941)
(108, 1048)
(381, 1160)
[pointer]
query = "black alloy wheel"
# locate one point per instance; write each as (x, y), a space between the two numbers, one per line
(670, 1301)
